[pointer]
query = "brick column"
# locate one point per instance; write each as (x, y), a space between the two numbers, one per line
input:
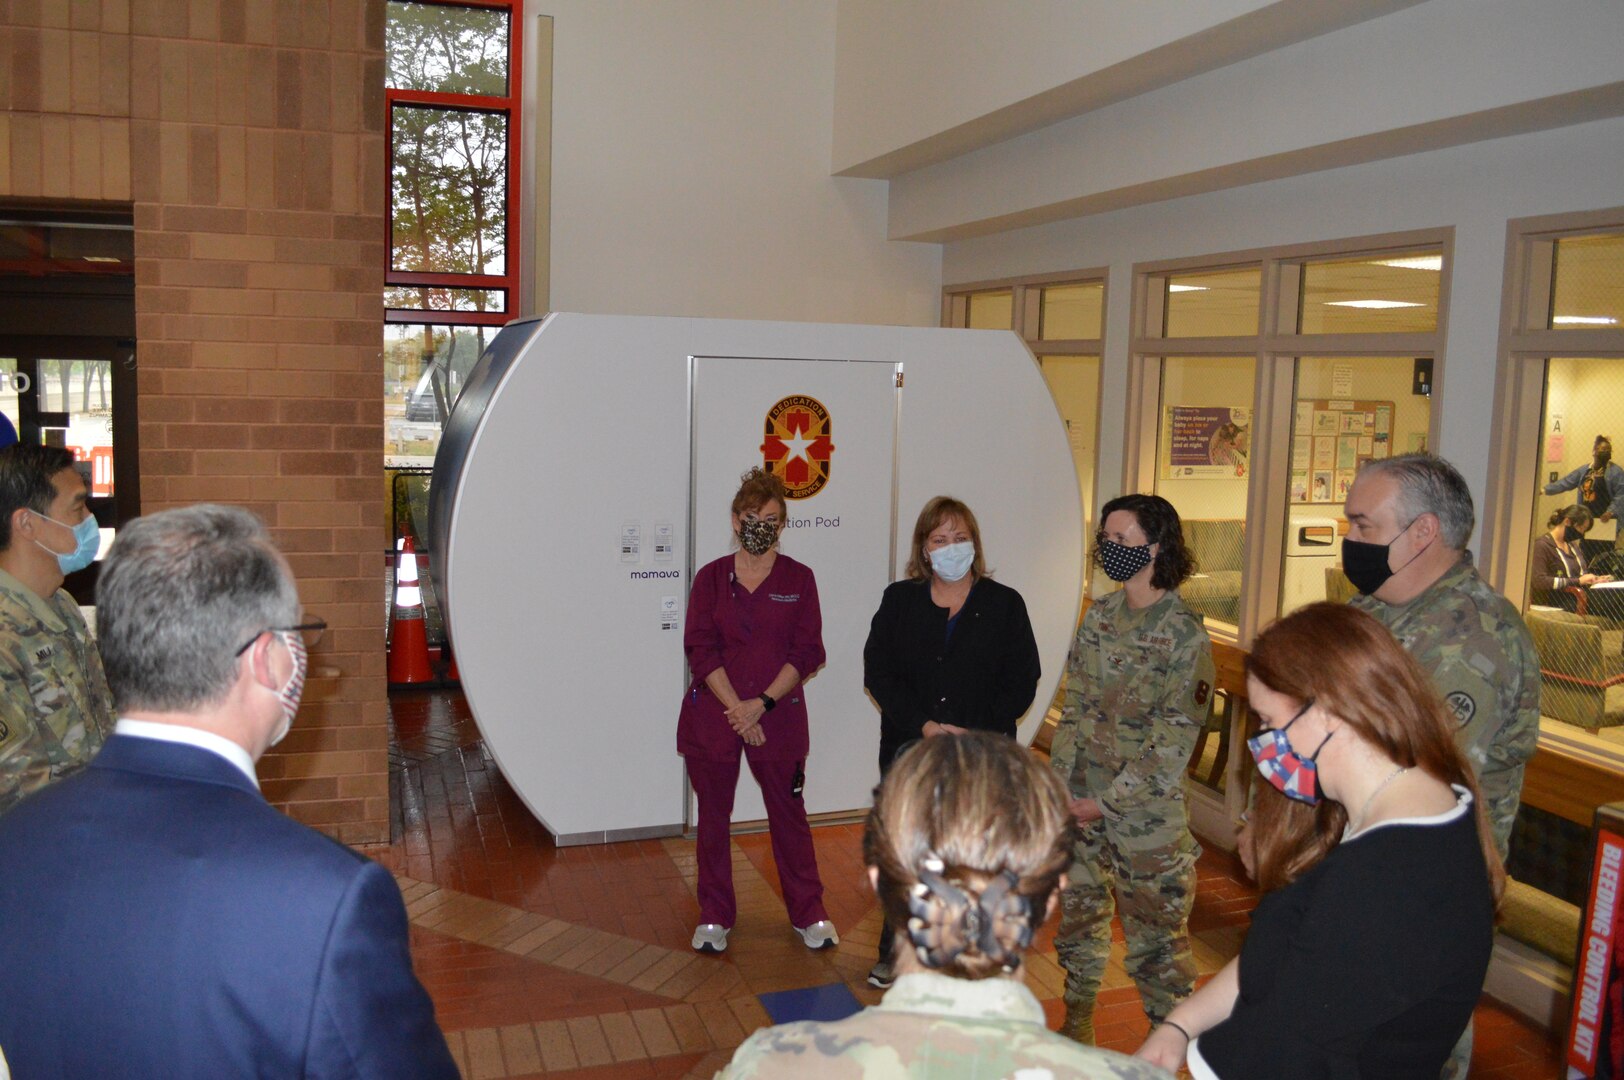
(249, 137)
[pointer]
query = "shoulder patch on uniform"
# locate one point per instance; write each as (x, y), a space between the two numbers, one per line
(1202, 690)
(1461, 704)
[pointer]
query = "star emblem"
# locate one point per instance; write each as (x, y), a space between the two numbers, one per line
(797, 445)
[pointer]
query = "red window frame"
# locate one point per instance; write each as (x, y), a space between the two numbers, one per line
(511, 105)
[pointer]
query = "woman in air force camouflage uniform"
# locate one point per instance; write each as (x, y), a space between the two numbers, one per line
(1138, 692)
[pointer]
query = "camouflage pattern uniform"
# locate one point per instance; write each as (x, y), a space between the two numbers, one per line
(936, 1026)
(1138, 692)
(1476, 648)
(55, 707)
(1482, 661)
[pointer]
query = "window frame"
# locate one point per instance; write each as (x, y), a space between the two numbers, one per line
(1571, 773)
(511, 105)
(1275, 350)
(1026, 302)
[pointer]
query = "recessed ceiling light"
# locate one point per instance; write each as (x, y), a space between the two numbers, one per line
(1415, 262)
(1372, 303)
(1584, 320)
(1187, 288)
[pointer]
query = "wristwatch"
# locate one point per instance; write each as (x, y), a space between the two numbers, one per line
(767, 703)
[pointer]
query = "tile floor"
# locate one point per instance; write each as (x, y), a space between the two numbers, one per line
(574, 962)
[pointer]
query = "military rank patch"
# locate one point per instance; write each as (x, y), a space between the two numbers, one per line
(1461, 704)
(5, 733)
(1202, 690)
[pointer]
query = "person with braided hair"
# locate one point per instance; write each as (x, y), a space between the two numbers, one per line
(967, 844)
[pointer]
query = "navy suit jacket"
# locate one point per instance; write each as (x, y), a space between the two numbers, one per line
(159, 919)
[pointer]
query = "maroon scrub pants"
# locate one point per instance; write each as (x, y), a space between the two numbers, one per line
(714, 784)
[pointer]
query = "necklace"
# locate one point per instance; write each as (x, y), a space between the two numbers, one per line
(1358, 822)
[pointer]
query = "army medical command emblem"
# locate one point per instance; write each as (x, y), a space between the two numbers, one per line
(797, 445)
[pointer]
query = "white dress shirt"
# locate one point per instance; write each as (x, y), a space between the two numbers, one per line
(203, 740)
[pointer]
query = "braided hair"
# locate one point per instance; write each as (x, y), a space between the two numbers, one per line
(969, 837)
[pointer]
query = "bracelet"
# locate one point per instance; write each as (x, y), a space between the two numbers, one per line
(767, 703)
(1177, 1028)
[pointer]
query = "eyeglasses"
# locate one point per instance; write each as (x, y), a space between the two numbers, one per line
(311, 632)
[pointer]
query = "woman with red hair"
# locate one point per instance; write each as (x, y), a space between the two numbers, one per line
(1368, 954)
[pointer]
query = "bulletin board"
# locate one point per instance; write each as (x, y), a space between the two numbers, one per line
(1331, 439)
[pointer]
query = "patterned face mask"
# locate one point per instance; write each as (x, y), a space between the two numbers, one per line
(757, 536)
(1122, 562)
(1296, 777)
(293, 689)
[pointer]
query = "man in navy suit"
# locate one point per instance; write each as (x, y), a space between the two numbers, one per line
(157, 917)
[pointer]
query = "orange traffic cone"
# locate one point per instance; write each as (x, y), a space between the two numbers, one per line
(452, 675)
(408, 641)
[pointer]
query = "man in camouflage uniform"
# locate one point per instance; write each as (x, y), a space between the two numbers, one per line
(55, 707)
(937, 1026)
(1413, 516)
(1138, 692)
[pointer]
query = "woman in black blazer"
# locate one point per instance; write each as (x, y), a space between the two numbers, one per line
(950, 649)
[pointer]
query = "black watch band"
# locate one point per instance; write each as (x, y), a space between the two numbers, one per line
(767, 703)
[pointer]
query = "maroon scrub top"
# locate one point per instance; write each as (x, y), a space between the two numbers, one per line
(752, 635)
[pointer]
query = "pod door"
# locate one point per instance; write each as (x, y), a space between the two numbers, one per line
(829, 428)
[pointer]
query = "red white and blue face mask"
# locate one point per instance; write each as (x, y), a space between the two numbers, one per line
(1294, 775)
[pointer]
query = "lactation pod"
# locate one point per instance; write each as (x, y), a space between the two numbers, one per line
(588, 469)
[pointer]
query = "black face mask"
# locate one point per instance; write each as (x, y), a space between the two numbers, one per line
(1366, 564)
(1603, 457)
(1570, 534)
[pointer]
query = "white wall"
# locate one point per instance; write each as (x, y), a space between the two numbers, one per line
(690, 176)
(1439, 73)
(1475, 189)
(910, 69)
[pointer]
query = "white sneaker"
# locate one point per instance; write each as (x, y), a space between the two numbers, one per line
(710, 937)
(820, 935)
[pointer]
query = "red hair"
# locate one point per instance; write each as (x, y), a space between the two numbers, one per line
(1348, 664)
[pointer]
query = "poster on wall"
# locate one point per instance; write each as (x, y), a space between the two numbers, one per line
(1209, 442)
(1340, 435)
(1556, 437)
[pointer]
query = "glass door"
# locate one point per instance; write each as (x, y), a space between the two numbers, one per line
(78, 393)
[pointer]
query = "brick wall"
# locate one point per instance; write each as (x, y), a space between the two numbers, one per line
(249, 139)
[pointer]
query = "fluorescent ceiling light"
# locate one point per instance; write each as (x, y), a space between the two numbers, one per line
(102, 258)
(1372, 303)
(1415, 262)
(1186, 288)
(1584, 320)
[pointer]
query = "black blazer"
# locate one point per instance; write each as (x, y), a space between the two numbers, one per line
(984, 679)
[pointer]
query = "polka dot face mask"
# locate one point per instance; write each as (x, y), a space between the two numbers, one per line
(1122, 562)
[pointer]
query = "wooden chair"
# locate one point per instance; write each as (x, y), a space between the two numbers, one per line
(1230, 680)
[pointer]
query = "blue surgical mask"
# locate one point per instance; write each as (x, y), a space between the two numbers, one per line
(87, 541)
(953, 561)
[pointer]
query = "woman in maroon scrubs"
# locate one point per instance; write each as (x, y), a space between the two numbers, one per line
(754, 634)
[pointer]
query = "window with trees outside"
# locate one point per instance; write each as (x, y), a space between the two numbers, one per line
(452, 100)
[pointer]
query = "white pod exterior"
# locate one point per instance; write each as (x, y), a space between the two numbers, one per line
(587, 472)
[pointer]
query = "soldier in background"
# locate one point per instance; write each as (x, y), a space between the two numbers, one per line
(1138, 692)
(55, 708)
(1409, 520)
